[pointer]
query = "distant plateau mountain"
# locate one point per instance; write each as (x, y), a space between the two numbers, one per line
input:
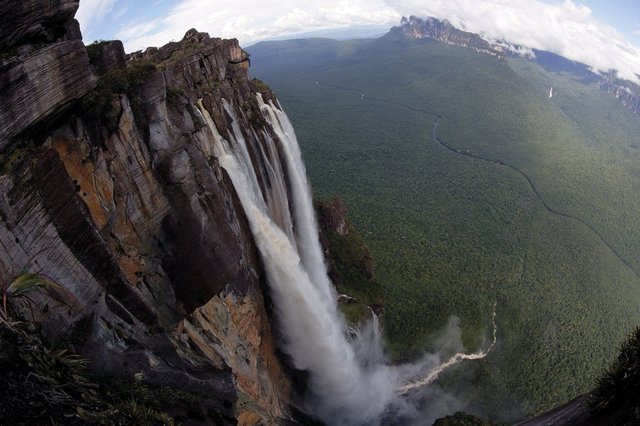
(627, 92)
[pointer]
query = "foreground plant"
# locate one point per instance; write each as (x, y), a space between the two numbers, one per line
(20, 286)
(44, 385)
(619, 388)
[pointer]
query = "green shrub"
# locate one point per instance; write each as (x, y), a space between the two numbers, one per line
(261, 86)
(8, 160)
(99, 102)
(620, 385)
(43, 385)
(173, 96)
(94, 50)
(183, 52)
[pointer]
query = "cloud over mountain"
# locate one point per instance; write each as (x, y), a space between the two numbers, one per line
(567, 29)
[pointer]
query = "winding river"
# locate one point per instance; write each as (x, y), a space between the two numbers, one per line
(449, 148)
(435, 138)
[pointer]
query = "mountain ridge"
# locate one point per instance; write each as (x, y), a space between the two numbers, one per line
(627, 92)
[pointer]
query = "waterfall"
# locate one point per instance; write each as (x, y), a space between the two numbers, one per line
(304, 217)
(349, 382)
(343, 389)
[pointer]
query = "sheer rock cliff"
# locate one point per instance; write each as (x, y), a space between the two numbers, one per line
(110, 188)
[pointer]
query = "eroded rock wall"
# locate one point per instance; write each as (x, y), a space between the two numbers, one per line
(130, 213)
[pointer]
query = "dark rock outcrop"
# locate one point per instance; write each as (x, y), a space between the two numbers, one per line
(110, 187)
(36, 86)
(34, 21)
(332, 214)
(107, 55)
(349, 261)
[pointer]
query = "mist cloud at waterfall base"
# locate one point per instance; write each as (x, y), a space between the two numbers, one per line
(425, 404)
(420, 406)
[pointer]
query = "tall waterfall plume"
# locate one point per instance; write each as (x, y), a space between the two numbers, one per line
(349, 382)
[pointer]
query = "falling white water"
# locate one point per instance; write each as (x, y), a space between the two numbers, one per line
(344, 390)
(304, 217)
(349, 382)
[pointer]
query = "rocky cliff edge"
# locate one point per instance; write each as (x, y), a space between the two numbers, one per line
(109, 187)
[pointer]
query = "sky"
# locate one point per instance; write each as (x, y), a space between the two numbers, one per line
(604, 34)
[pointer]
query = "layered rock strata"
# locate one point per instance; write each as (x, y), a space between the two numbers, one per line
(110, 188)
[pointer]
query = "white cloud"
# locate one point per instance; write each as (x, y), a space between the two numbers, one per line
(253, 20)
(568, 28)
(122, 11)
(91, 11)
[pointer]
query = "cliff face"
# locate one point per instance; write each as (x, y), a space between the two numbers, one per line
(442, 31)
(43, 63)
(627, 93)
(110, 188)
